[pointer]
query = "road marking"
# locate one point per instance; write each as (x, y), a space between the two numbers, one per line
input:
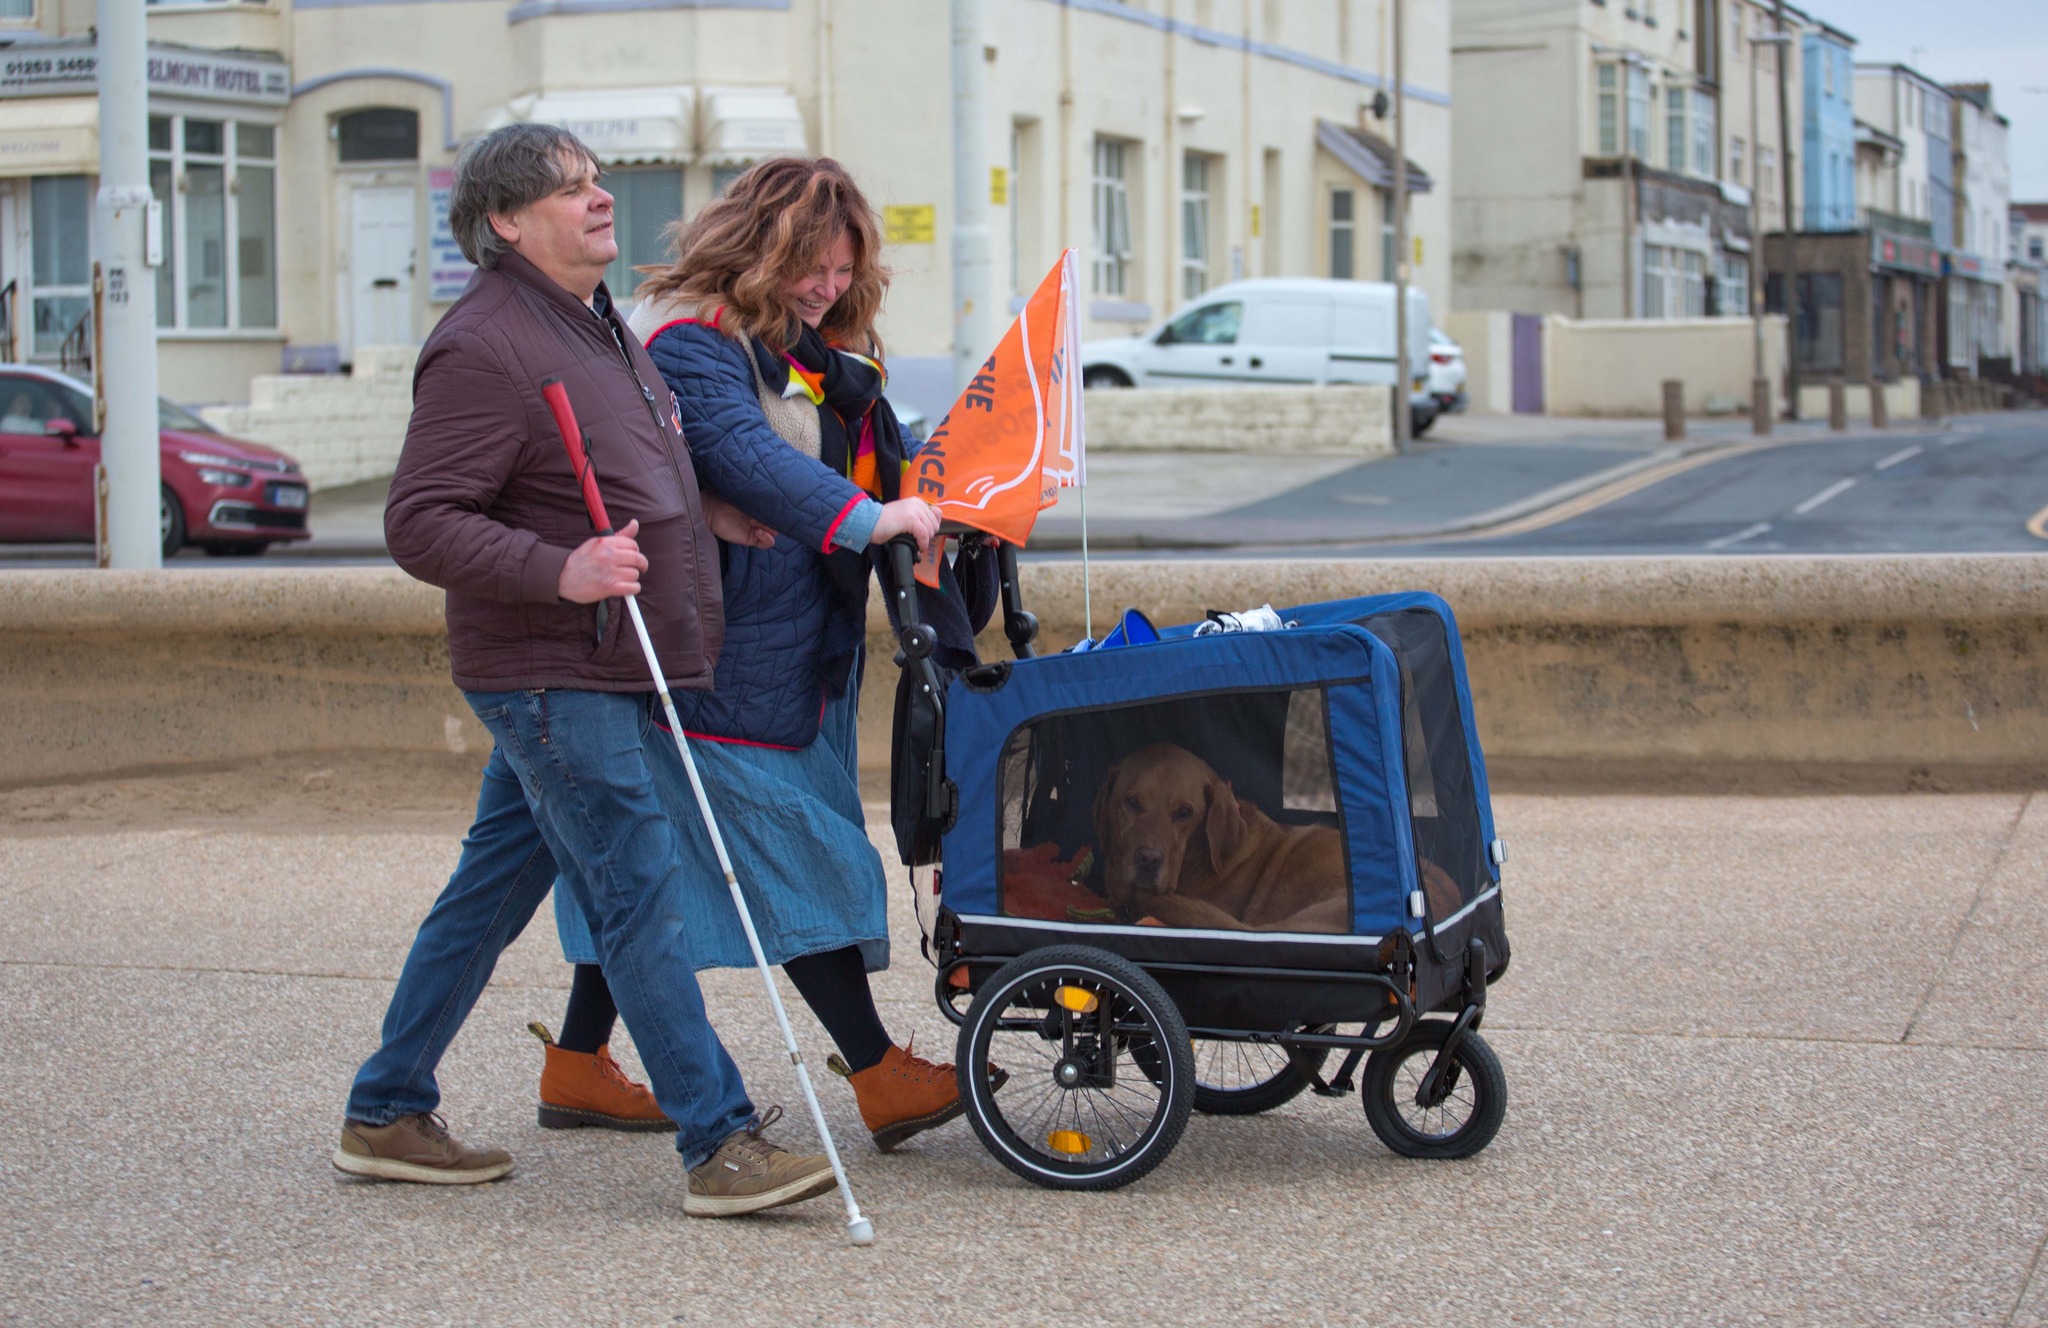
(1832, 491)
(1903, 454)
(2038, 527)
(1741, 535)
(1364, 499)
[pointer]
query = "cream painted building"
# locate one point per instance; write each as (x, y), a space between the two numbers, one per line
(1607, 150)
(302, 149)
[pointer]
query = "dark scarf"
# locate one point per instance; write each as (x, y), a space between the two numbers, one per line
(852, 389)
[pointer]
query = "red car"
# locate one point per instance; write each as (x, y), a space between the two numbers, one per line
(226, 496)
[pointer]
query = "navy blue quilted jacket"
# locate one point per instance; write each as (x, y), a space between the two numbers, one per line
(784, 633)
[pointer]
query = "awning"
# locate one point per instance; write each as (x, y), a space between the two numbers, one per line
(743, 125)
(1370, 157)
(623, 126)
(50, 136)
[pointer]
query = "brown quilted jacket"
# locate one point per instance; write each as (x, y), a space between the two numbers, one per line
(485, 504)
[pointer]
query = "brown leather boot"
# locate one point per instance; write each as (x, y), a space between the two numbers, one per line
(589, 1088)
(903, 1094)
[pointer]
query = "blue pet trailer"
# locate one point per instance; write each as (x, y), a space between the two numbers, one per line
(1355, 717)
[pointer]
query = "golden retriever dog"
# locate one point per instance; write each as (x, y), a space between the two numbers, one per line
(1178, 845)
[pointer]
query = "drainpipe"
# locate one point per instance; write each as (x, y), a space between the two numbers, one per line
(124, 373)
(1401, 407)
(1791, 227)
(973, 325)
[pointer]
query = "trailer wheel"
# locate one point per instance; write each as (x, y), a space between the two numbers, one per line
(1246, 1078)
(1101, 1078)
(1468, 1107)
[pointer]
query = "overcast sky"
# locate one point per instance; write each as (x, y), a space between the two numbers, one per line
(2004, 42)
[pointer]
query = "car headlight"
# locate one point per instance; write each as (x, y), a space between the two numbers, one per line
(210, 459)
(226, 479)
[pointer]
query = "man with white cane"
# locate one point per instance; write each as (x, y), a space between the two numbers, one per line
(486, 505)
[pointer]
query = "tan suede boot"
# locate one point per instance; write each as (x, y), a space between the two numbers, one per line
(588, 1088)
(903, 1094)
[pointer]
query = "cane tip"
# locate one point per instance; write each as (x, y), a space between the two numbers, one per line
(861, 1230)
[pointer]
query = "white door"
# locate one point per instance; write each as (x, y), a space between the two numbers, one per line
(1197, 348)
(381, 257)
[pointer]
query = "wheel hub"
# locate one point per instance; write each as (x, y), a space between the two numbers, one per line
(1068, 1073)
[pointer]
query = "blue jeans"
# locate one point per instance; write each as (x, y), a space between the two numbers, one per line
(568, 781)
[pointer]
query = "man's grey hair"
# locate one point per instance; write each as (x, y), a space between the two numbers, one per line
(502, 172)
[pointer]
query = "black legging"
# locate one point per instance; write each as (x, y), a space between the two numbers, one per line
(834, 984)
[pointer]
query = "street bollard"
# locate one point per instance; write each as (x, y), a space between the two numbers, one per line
(1838, 405)
(1880, 410)
(1674, 410)
(1760, 405)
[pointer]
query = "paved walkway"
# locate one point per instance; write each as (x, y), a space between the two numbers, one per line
(1770, 1060)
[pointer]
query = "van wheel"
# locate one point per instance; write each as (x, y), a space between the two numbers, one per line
(1419, 423)
(1103, 375)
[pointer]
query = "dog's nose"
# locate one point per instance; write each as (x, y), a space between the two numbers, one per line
(1149, 859)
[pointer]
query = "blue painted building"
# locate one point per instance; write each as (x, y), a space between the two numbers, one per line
(1828, 180)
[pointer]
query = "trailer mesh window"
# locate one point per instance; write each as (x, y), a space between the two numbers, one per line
(1215, 811)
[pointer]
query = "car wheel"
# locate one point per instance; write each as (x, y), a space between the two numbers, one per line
(1418, 423)
(1102, 375)
(170, 520)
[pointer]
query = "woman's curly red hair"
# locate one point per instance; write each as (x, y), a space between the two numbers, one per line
(772, 224)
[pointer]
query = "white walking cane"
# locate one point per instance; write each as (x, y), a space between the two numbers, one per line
(858, 1228)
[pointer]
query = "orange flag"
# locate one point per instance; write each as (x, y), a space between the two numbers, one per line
(1015, 436)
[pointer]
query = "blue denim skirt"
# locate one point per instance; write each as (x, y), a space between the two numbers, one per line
(793, 826)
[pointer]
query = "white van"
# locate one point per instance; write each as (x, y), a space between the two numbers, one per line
(1279, 330)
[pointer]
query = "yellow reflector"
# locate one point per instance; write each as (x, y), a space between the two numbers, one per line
(1076, 999)
(1073, 1143)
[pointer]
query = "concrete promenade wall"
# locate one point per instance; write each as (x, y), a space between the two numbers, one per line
(1618, 366)
(1882, 662)
(1335, 421)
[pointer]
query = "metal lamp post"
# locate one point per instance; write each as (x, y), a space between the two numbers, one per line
(124, 372)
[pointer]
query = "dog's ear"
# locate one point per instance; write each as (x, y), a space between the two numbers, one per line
(1104, 791)
(1224, 823)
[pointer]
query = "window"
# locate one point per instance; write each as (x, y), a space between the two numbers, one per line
(1112, 217)
(1695, 305)
(382, 133)
(1210, 325)
(1704, 124)
(60, 230)
(1766, 184)
(2034, 246)
(1343, 233)
(1609, 116)
(1735, 29)
(1387, 255)
(1818, 337)
(644, 202)
(1638, 112)
(1912, 99)
(1732, 292)
(18, 10)
(723, 176)
(217, 180)
(1827, 71)
(1656, 260)
(1735, 148)
(1675, 141)
(1194, 224)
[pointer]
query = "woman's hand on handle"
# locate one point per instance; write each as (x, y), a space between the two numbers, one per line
(603, 567)
(908, 516)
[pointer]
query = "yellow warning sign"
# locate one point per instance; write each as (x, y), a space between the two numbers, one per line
(998, 186)
(910, 223)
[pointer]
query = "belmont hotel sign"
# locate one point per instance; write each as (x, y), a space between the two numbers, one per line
(47, 69)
